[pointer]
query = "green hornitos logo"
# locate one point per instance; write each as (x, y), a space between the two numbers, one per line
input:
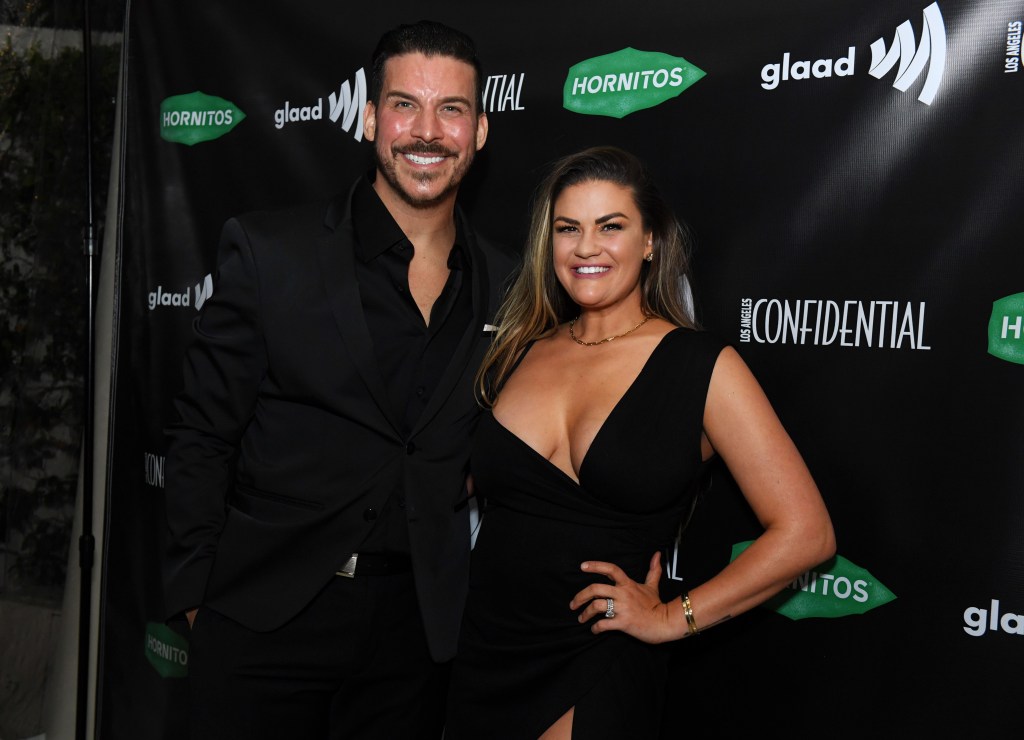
(1006, 329)
(166, 650)
(837, 588)
(195, 117)
(626, 81)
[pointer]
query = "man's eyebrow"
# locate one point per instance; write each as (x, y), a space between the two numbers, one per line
(409, 96)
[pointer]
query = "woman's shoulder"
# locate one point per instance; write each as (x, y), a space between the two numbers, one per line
(705, 342)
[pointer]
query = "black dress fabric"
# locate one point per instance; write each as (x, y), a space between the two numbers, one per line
(523, 658)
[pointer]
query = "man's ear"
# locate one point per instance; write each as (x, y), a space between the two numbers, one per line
(481, 131)
(370, 122)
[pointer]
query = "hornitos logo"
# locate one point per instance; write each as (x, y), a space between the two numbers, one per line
(911, 56)
(197, 297)
(503, 93)
(345, 106)
(1006, 329)
(626, 81)
(166, 650)
(195, 117)
(868, 324)
(978, 621)
(837, 588)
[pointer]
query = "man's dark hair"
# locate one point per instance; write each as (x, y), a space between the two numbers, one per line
(431, 39)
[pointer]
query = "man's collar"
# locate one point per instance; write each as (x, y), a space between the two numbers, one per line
(376, 230)
(375, 227)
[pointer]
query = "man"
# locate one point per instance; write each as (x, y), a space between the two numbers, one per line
(316, 489)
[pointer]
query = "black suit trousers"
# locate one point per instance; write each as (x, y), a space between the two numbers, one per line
(353, 665)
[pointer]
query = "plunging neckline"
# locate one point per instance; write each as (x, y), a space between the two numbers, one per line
(577, 480)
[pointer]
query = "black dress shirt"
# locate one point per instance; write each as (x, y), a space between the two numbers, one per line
(411, 354)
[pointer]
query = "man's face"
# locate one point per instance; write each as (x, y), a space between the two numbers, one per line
(426, 128)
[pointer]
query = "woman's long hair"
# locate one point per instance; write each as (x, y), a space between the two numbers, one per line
(537, 303)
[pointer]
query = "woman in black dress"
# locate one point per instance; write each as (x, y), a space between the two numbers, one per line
(606, 402)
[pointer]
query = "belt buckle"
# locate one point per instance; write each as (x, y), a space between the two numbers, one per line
(348, 570)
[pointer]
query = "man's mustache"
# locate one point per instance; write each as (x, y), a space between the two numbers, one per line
(425, 148)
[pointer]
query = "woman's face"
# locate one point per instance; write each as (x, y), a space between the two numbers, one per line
(599, 244)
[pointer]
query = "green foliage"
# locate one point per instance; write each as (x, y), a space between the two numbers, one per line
(44, 278)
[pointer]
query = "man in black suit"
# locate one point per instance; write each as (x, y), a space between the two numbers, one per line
(316, 495)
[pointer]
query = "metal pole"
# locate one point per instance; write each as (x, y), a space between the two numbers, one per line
(86, 541)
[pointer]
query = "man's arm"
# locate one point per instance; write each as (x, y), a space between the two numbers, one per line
(222, 372)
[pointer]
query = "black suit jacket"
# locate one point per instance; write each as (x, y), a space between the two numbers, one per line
(286, 447)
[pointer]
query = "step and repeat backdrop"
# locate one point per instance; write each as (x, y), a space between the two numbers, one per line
(853, 172)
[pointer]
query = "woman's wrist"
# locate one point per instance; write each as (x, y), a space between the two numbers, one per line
(691, 623)
(675, 621)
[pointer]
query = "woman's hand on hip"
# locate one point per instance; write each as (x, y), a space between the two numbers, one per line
(627, 605)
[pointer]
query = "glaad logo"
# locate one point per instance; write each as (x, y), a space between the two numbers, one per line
(166, 650)
(626, 81)
(1006, 329)
(837, 588)
(978, 621)
(291, 113)
(195, 117)
(772, 74)
(912, 60)
(202, 290)
(932, 52)
(881, 324)
(502, 92)
(347, 105)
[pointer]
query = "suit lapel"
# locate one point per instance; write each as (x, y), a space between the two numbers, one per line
(337, 258)
(471, 339)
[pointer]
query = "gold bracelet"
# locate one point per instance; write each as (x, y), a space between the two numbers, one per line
(691, 623)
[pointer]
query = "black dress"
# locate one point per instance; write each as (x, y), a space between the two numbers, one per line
(523, 659)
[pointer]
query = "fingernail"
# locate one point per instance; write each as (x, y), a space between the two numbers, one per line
(585, 566)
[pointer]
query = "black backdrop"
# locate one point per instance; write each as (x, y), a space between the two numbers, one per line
(833, 190)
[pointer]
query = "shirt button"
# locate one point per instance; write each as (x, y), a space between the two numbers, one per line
(420, 390)
(370, 514)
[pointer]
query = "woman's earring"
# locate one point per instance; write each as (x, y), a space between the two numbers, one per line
(649, 257)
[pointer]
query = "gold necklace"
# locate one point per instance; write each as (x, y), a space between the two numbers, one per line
(606, 339)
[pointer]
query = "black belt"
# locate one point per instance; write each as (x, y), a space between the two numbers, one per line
(375, 564)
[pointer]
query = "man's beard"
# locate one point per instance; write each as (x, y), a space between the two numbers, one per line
(387, 167)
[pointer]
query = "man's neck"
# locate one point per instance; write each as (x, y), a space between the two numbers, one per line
(431, 229)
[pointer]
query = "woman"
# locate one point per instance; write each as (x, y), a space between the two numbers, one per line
(606, 404)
